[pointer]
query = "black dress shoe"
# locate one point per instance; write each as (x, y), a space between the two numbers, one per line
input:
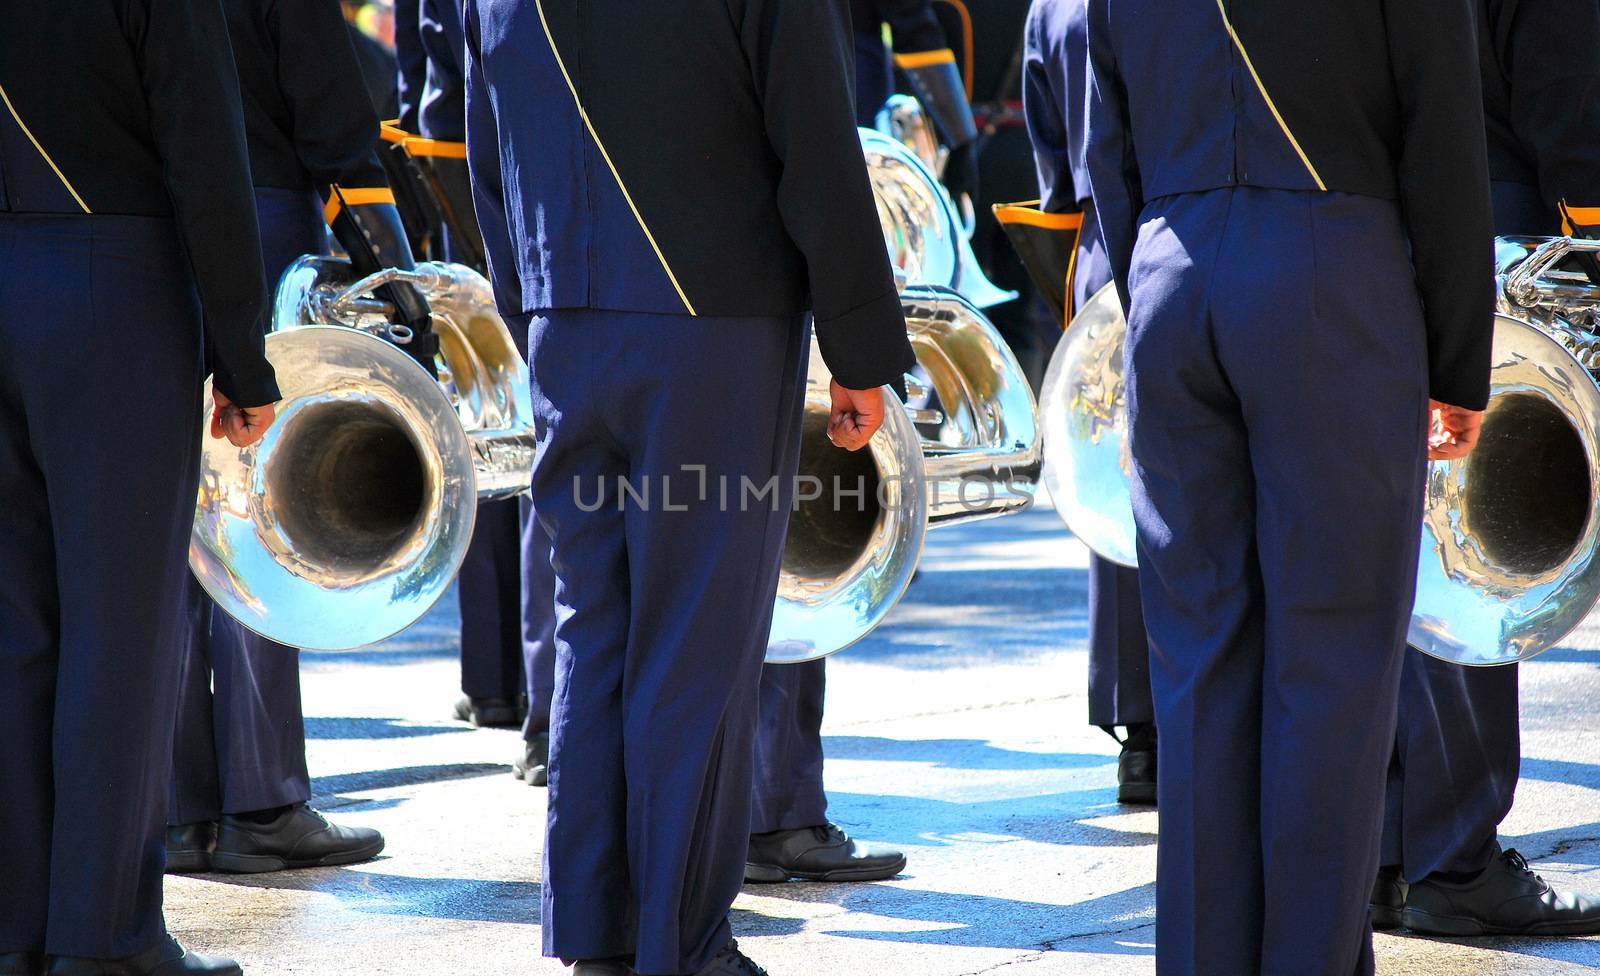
(731, 962)
(21, 964)
(602, 967)
(489, 713)
(823, 853)
(1388, 899)
(1136, 767)
(166, 959)
(299, 837)
(189, 847)
(533, 767)
(1506, 899)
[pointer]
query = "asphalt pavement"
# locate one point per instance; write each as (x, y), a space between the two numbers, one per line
(958, 731)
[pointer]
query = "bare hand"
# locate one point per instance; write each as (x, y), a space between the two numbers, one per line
(1452, 431)
(856, 416)
(242, 426)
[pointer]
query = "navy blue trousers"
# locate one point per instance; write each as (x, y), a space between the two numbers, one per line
(1119, 653)
(490, 590)
(240, 743)
(1458, 747)
(1457, 757)
(100, 378)
(787, 788)
(1278, 402)
(788, 791)
(663, 610)
(538, 623)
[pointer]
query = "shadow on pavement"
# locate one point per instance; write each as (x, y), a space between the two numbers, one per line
(332, 727)
(1053, 818)
(979, 921)
(382, 779)
(457, 899)
(955, 753)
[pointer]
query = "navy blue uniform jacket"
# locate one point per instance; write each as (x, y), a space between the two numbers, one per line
(1373, 97)
(131, 107)
(696, 157)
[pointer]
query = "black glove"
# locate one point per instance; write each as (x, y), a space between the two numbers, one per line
(961, 172)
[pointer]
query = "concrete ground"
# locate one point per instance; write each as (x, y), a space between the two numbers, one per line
(957, 731)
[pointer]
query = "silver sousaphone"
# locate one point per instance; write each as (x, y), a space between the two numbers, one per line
(964, 446)
(351, 516)
(1508, 565)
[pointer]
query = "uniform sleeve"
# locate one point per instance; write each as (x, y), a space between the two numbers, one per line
(1046, 119)
(413, 62)
(483, 161)
(1444, 190)
(1113, 166)
(335, 126)
(184, 50)
(799, 53)
(1550, 51)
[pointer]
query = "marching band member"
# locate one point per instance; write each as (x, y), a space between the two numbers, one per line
(240, 785)
(1294, 200)
(490, 584)
(126, 243)
(791, 835)
(665, 281)
(1055, 76)
(1458, 751)
(506, 581)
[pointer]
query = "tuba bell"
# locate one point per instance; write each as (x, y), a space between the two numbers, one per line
(964, 445)
(351, 516)
(1507, 566)
(927, 242)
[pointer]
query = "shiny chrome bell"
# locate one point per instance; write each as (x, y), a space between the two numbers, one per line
(975, 455)
(350, 518)
(1509, 535)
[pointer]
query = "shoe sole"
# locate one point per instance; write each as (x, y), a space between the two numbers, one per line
(1385, 918)
(1429, 923)
(188, 862)
(267, 863)
(1137, 794)
(773, 873)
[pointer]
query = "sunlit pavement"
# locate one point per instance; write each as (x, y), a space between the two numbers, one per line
(957, 731)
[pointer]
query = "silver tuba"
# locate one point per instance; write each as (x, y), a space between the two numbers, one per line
(927, 242)
(964, 446)
(351, 516)
(1508, 564)
(1509, 533)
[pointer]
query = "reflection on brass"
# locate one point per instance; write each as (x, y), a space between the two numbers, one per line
(1084, 411)
(926, 240)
